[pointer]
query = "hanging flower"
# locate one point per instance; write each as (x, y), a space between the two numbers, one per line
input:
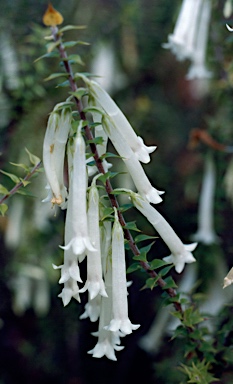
(120, 320)
(180, 253)
(80, 242)
(55, 140)
(94, 284)
(198, 67)
(119, 121)
(190, 36)
(206, 233)
(134, 167)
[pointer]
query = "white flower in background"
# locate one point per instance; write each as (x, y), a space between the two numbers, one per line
(180, 253)
(227, 9)
(190, 36)
(119, 121)
(80, 242)
(133, 165)
(182, 41)
(94, 284)
(228, 181)
(198, 67)
(206, 233)
(55, 140)
(120, 320)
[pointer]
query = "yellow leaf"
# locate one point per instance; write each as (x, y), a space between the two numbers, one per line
(52, 17)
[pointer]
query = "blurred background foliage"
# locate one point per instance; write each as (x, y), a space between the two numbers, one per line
(40, 341)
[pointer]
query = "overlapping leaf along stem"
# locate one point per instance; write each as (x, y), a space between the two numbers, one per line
(108, 186)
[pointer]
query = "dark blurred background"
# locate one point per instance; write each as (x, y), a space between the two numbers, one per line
(40, 341)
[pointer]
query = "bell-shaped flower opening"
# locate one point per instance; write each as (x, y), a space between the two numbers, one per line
(94, 284)
(205, 232)
(70, 290)
(55, 140)
(180, 253)
(119, 121)
(92, 309)
(134, 167)
(80, 240)
(120, 320)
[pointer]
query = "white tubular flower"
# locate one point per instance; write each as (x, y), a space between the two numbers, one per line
(180, 253)
(55, 140)
(134, 167)
(120, 122)
(206, 233)
(94, 284)
(80, 242)
(198, 68)
(181, 42)
(120, 320)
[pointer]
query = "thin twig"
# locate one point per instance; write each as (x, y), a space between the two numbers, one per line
(21, 183)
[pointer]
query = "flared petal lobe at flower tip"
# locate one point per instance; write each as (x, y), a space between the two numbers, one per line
(230, 29)
(79, 245)
(125, 326)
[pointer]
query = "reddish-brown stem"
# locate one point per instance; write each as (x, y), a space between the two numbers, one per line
(21, 183)
(98, 161)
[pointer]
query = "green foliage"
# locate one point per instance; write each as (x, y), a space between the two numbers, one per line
(198, 373)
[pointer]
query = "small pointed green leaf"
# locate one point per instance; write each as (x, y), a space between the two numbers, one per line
(133, 267)
(71, 27)
(3, 209)
(13, 177)
(20, 165)
(56, 75)
(47, 55)
(170, 283)
(144, 237)
(158, 263)
(63, 84)
(131, 226)
(25, 182)
(3, 190)
(51, 46)
(75, 59)
(70, 44)
(33, 158)
(79, 93)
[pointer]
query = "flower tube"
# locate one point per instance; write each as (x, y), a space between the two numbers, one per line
(55, 140)
(180, 253)
(120, 320)
(94, 284)
(119, 121)
(80, 242)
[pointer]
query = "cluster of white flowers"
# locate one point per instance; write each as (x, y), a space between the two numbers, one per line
(190, 36)
(87, 235)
